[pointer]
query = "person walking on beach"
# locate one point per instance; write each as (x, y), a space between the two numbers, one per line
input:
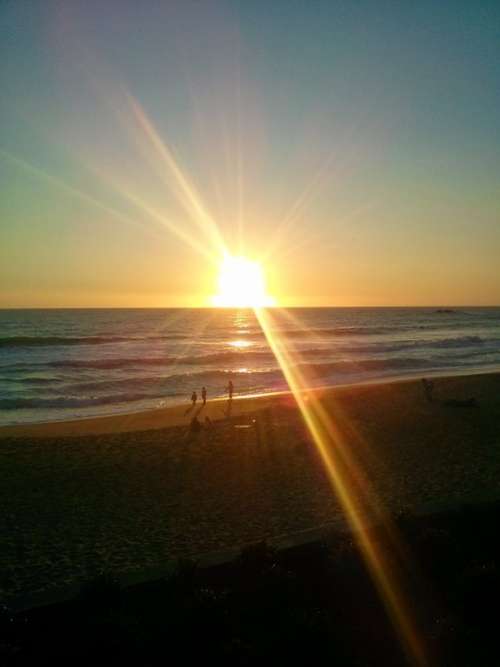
(204, 395)
(194, 398)
(230, 389)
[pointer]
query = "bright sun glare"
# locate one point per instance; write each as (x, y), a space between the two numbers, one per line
(241, 285)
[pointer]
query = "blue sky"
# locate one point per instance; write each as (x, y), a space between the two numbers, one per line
(353, 146)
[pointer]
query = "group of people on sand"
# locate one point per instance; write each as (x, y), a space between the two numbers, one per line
(195, 423)
(194, 395)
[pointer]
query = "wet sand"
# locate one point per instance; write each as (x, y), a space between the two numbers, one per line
(126, 493)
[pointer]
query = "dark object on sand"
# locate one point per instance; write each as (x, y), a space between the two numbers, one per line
(428, 389)
(195, 426)
(208, 422)
(461, 403)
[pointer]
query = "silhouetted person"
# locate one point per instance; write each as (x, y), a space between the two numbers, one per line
(428, 389)
(230, 389)
(204, 395)
(194, 398)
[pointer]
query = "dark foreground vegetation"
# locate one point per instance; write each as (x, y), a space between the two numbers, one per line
(309, 603)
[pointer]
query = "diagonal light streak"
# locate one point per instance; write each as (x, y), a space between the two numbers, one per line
(175, 227)
(353, 492)
(69, 189)
(186, 192)
(300, 204)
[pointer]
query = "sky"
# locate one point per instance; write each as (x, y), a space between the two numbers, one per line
(353, 148)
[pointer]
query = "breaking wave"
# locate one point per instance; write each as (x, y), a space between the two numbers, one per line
(76, 402)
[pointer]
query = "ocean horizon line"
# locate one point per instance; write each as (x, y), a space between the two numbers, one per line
(250, 308)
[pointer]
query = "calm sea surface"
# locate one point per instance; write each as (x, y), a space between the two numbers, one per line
(62, 364)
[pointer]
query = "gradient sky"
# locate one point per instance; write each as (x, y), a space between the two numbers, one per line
(354, 147)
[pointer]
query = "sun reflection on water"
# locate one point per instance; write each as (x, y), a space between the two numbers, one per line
(239, 344)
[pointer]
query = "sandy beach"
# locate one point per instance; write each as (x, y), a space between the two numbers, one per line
(126, 493)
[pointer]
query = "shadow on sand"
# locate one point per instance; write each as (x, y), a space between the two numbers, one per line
(229, 408)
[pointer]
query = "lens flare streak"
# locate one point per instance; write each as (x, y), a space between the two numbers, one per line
(353, 492)
(185, 191)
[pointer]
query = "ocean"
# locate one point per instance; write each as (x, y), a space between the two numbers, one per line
(67, 364)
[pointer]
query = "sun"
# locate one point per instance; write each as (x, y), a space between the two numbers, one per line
(241, 285)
